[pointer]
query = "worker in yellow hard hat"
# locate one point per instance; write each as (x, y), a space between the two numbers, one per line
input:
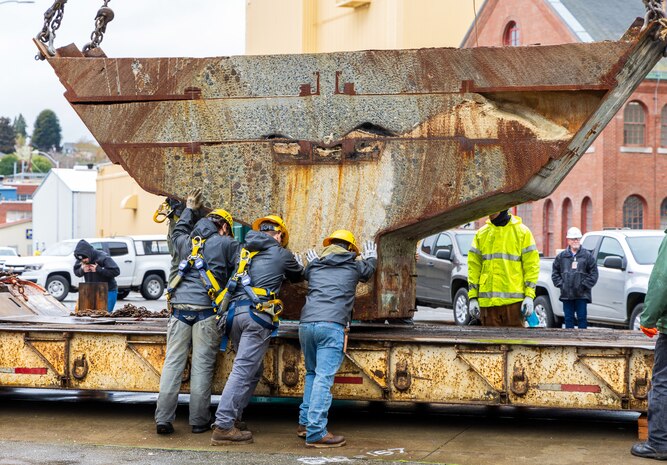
(332, 282)
(207, 252)
(252, 318)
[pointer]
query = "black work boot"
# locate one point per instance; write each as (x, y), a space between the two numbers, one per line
(164, 428)
(224, 437)
(643, 449)
(196, 429)
(301, 431)
(241, 425)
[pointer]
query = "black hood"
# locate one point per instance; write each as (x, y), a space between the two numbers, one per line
(85, 249)
(256, 241)
(204, 229)
(502, 219)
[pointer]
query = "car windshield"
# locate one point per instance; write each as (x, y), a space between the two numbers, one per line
(645, 249)
(60, 249)
(464, 241)
(7, 252)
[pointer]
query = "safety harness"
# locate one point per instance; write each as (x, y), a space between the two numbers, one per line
(259, 300)
(195, 260)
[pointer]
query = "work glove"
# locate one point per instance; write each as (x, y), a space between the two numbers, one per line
(473, 309)
(176, 207)
(311, 256)
(194, 201)
(370, 250)
(650, 332)
(527, 307)
(298, 258)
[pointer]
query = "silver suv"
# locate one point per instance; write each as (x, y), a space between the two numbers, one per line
(625, 259)
(442, 271)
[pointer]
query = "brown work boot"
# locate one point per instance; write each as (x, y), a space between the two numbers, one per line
(233, 435)
(301, 431)
(329, 440)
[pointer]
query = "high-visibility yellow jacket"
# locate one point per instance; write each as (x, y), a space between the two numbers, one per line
(503, 264)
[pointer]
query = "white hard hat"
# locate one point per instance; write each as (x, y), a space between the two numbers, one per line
(573, 233)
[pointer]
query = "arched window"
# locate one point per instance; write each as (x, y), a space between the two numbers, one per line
(525, 212)
(634, 125)
(511, 36)
(663, 126)
(566, 219)
(548, 229)
(586, 215)
(633, 212)
(663, 214)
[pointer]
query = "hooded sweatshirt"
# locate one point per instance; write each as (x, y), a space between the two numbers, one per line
(332, 284)
(220, 254)
(107, 269)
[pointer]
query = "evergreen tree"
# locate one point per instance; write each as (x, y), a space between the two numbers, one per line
(46, 134)
(7, 164)
(7, 136)
(20, 126)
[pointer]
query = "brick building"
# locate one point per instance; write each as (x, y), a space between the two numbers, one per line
(621, 181)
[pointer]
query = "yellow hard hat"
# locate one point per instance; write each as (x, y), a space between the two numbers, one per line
(280, 226)
(225, 215)
(343, 235)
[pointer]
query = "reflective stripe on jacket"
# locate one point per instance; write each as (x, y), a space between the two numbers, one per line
(503, 264)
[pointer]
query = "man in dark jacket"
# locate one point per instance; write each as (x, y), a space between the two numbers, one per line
(97, 267)
(332, 283)
(575, 272)
(250, 330)
(192, 323)
(654, 322)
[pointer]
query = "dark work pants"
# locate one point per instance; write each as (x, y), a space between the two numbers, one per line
(657, 397)
(502, 315)
(575, 307)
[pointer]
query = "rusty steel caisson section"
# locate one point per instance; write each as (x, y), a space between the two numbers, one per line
(393, 145)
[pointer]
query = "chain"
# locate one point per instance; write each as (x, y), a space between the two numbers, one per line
(654, 11)
(52, 19)
(104, 16)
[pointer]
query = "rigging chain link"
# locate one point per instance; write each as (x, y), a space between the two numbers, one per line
(52, 19)
(104, 16)
(655, 12)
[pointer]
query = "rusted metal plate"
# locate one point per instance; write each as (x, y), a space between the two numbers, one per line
(22, 298)
(393, 144)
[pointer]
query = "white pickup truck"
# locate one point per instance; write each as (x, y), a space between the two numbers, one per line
(144, 263)
(625, 259)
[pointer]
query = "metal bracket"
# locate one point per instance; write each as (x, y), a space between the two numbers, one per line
(519, 384)
(641, 387)
(63, 377)
(402, 378)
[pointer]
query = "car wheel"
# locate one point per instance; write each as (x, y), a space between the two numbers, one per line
(123, 293)
(544, 312)
(460, 306)
(152, 287)
(58, 287)
(635, 316)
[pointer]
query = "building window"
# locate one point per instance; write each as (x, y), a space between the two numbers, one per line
(663, 126)
(633, 212)
(663, 214)
(634, 126)
(566, 219)
(525, 212)
(548, 228)
(586, 215)
(511, 36)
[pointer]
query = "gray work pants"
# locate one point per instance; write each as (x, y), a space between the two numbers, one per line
(204, 338)
(250, 341)
(657, 397)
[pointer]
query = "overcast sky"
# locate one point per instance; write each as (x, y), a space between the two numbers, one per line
(141, 28)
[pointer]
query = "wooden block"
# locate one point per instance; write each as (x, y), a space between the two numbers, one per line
(642, 427)
(93, 296)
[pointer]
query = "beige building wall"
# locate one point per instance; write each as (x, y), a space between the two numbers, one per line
(15, 235)
(304, 26)
(122, 206)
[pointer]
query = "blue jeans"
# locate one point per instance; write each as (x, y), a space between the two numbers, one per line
(657, 397)
(578, 306)
(111, 300)
(322, 346)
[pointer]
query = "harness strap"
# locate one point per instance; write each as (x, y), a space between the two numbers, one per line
(190, 317)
